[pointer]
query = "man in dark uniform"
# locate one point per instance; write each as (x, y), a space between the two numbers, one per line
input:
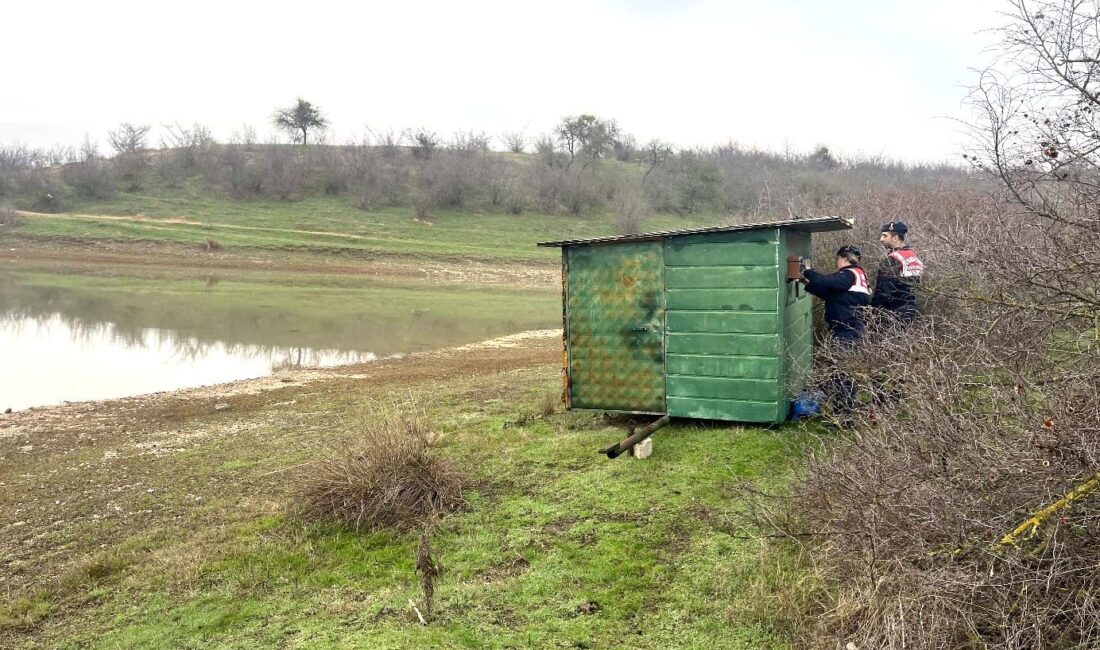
(898, 275)
(846, 295)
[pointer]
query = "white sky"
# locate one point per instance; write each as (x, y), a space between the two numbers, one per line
(861, 76)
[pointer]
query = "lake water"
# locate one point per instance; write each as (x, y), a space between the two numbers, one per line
(76, 334)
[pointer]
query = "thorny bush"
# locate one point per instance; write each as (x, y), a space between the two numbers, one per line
(983, 414)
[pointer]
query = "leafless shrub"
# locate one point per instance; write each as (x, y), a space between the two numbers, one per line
(18, 156)
(424, 142)
(239, 173)
(446, 181)
(128, 138)
(970, 426)
(516, 198)
(469, 143)
(332, 168)
(546, 148)
(514, 141)
(630, 209)
(961, 510)
(58, 155)
(130, 166)
(91, 177)
(282, 173)
(187, 144)
(211, 245)
(576, 190)
(9, 218)
(245, 137)
(497, 178)
(625, 148)
(387, 477)
(389, 142)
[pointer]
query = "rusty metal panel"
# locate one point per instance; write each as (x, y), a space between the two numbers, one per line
(615, 319)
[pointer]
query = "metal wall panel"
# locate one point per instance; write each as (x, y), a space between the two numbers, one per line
(724, 326)
(615, 319)
(713, 365)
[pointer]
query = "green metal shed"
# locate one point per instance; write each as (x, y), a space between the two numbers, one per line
(700, 323)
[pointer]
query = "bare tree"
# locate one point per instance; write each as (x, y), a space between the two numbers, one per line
(128, 138)
(299, 120)
(656, 154)
(129, 143)
(514, 141)
(1039, 134)
(246, 136)
(625, 147)
(424, 142)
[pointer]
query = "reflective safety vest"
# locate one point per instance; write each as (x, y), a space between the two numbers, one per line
(860, 285)
(911, 266)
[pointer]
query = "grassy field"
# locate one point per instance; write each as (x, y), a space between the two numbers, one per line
(175, 528)
(319, 224)
(163, 521)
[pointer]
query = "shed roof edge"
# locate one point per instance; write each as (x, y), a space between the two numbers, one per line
(810, 224)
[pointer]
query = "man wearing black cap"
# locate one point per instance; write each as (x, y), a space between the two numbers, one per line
(845, 294)
(898, 275)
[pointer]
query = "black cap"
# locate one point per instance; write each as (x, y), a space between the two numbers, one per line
(895, 226)
(849, 251)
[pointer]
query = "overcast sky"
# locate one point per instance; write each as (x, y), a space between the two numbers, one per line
(871, 77)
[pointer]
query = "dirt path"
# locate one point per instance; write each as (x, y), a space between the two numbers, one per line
(182, 221)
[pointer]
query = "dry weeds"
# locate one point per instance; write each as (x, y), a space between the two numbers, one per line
(387, 477)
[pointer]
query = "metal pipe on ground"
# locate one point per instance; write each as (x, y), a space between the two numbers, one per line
(626, 444)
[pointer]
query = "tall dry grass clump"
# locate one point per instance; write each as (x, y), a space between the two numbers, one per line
(388, 476)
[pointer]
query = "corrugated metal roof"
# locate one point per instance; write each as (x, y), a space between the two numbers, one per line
(810, 224)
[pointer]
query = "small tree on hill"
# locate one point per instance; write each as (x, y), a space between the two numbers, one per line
(129, 138)
(299, 120)
(129, 144)
(588, 134)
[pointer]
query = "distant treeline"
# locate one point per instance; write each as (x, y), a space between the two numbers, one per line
(586, 166)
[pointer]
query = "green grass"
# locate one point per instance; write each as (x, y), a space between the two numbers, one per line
(550, 525)
(278, 225)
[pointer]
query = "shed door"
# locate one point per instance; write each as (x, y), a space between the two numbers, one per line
(615, 321)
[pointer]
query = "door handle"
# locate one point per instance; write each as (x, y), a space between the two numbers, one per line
(640, 329)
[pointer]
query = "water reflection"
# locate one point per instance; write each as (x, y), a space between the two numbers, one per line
(76, 334)
(50, 360)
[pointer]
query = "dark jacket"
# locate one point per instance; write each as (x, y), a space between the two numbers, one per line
(894, 290)
(844, 299)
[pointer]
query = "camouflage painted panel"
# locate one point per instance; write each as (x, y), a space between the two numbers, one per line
(615, 312)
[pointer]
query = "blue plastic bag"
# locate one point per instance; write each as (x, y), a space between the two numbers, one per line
(807, 405)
